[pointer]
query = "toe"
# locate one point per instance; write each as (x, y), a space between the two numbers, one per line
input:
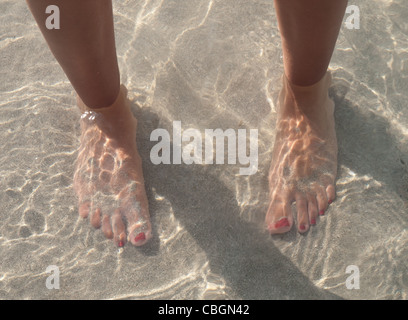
(139, 234)
(312, 208)
(118, 227)
(321, 198)
(302, 213)
(107, 226)
(140, 229)
(96, 218)
(138, 218)
(327, 180)
(84, 209)
(331, 193)
(279, 217)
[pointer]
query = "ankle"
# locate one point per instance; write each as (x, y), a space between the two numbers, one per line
(96, 101)
(120, 99)
(307, 96)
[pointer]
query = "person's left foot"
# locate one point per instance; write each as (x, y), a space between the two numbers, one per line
(304, 160)
(108, 176)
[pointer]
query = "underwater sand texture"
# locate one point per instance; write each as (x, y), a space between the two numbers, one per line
(209, 64)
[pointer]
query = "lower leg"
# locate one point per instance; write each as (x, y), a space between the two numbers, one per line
(309, 30)
(84, 46)
(108, 177)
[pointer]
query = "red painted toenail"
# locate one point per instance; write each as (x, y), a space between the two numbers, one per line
(321, 212)
(121, 244)
(302, 227)
(140, 237)
(313, 221)
(282, 223)
(330, 201)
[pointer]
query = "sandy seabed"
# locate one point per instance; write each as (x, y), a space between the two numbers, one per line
(209, 64)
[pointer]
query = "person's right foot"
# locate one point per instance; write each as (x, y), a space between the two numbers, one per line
(304, 159)
(108, 176)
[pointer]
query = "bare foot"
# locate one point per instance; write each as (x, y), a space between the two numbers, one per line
(108, 176)
(304, 159)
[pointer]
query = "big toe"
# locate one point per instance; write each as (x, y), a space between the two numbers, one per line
(279, 218)
(140, 233)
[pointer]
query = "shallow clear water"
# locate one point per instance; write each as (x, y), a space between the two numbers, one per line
(208, 64)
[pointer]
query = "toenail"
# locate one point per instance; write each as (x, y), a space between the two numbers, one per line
(282, 223)
(321, 212)
(330, 201)
(140, 237)
(121, 244)
(313, 221)
(302, 227)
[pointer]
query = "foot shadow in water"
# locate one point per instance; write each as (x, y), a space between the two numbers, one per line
(366, 144)
(237, 250)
